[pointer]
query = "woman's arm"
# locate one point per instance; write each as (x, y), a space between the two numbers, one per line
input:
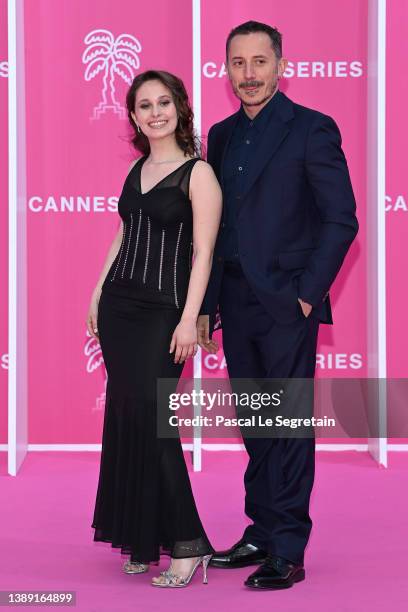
(91, 320)
(110, 258)
(206, 199)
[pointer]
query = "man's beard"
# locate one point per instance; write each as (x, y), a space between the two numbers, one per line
(260, 102)
(257, 103)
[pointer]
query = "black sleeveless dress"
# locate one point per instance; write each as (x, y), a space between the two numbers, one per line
(144, 502)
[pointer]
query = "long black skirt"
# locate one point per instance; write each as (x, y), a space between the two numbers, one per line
(144, 502)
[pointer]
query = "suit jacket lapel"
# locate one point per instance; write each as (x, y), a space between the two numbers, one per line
(277, 130)
(271, 140)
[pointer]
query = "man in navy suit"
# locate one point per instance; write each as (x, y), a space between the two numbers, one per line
(288, 222)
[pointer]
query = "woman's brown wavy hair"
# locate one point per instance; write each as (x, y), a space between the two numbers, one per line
(186, 137)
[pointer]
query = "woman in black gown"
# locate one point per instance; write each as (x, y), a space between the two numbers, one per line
(143, 312)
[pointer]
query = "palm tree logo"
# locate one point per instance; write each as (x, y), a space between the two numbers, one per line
(93, 353)
(113, 57)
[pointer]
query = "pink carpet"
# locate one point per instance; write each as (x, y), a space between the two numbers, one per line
(355, 560)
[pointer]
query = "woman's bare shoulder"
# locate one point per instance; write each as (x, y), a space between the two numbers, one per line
(203, 180)
(202, 170)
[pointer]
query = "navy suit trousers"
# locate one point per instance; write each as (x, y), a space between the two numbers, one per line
(280, 472)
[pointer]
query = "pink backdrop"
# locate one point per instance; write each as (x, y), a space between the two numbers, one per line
(396, 189)
(3, 222)
(397, 196)
(78, 157)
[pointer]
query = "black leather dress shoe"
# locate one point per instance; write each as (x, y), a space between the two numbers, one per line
(242, 554)
(275, 573)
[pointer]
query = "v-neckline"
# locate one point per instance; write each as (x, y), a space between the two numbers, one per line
(161, 180)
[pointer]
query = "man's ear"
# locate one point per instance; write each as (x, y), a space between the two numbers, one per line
(282, 65)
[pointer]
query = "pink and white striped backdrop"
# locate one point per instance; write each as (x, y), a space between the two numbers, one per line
(3, 221)
(78, 155)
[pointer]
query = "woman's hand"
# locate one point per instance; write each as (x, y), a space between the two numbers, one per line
(92, 318)
(184, 341)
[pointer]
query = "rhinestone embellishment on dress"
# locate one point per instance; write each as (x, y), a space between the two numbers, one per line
(147, 250)
(129, 239)
(175, 265)
(137, 242)
(121, 250)
(161, 257)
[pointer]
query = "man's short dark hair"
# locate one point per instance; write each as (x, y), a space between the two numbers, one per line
(249, 27)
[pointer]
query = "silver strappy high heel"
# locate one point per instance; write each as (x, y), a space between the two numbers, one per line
(175, 581)
(135, 567)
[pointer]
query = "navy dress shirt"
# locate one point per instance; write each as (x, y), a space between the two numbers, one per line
(241, 150)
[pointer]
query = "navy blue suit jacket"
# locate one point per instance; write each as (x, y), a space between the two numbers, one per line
(296, 219)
